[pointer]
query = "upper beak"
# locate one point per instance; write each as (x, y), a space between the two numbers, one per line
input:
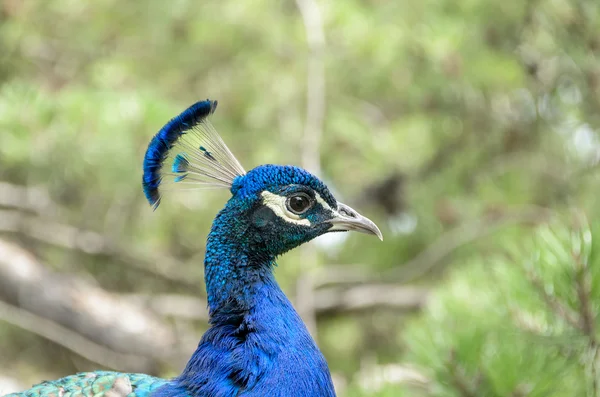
(346, 219)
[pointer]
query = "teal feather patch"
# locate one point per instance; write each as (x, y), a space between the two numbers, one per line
(96, 384)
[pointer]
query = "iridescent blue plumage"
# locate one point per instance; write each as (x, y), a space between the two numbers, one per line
(163, 142)
(257, 344)
(269, 176)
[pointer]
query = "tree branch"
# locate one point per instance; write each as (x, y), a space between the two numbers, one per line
(328, 301)
(92, 243)
(458, 377)
(583, 285)
(458, 237)
(553, 304)
(315, 114)
(79, 305)
(369, 296)
(315, 98)
(30, 198)
(74, 342)
(9, 385)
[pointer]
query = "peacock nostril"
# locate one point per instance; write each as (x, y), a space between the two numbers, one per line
(347, 213)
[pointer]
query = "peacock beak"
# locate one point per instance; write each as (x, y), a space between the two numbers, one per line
(346, 219)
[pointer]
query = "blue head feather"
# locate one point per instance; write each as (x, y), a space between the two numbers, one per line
(163, 142)
(269, 176)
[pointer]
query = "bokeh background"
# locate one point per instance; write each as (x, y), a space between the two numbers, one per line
(468, 130)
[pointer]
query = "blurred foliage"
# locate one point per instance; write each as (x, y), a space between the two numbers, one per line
(516, 323)
(440, 114)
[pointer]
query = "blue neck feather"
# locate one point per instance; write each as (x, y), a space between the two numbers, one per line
(236, 265)
(257, 344)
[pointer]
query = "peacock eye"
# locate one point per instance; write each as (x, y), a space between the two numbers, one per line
(299, 203)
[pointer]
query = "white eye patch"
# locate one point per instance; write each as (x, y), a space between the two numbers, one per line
(277, 204)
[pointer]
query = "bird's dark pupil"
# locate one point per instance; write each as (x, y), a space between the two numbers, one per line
(299, 203)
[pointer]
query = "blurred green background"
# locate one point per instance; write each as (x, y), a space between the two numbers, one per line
(468, 130)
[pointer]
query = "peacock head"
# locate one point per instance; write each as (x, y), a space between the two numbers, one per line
(281, 205)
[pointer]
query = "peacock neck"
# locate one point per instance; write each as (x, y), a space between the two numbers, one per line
(236, 268)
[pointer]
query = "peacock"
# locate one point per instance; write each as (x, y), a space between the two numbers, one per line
(257, 344)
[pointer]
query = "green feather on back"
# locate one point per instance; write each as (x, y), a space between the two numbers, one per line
(96, 384)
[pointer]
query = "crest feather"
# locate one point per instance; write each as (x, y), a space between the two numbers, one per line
(188, 150)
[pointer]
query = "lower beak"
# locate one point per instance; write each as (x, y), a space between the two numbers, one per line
(347, 219)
